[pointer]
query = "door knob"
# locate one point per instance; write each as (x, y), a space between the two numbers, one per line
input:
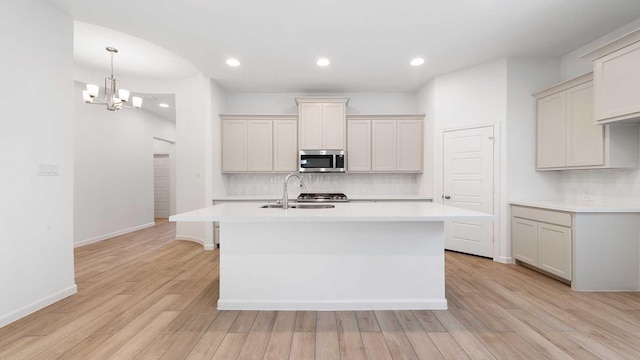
(447, 197)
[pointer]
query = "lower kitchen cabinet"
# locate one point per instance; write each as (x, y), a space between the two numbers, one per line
(594, 247)
(544, 245)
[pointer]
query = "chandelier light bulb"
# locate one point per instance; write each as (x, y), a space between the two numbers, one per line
(86, 97)
(124, 95)
(137, 102)
(93, 90)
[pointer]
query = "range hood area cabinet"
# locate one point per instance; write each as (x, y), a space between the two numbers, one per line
(259, 143)
(385, 143)
(322, 122)
(567, 138)
(616, 69)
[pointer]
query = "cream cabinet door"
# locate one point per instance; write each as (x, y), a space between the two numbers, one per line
(234, 145)
(333, 126)
(311, 126)
(359, 145)
(551, 134)
(383, 145)
(524, 239)
(259, 145)
(617, 84)
(585, 141)
(285, 145)
(409, 141)
(554, 249)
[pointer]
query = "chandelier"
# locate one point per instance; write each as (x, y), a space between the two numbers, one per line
(114, 98)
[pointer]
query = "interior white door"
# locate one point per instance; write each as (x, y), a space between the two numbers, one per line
(468, 183)
(161, 186)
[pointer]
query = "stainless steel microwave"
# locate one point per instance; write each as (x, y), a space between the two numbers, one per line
(322, 161)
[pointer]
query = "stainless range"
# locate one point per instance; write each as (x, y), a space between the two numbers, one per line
(322, 197)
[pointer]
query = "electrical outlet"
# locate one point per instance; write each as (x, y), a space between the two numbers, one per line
(587, 197)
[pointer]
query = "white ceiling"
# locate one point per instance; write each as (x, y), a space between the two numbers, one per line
(136, 57)
(369, 42)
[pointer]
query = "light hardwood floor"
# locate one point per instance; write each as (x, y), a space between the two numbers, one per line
(145, 296)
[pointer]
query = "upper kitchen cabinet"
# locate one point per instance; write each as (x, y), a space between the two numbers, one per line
(234, 145)
(567, 137)
(616, 69)
(285, 145)
(359, 145)
(385, 143)
(259, 143)
(322, 123)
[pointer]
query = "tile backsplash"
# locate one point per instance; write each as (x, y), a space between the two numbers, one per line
(602, 185)
(350, 184)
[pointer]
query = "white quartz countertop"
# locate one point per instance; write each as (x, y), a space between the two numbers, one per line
(580, 207)
(343, 212)
(353, 198)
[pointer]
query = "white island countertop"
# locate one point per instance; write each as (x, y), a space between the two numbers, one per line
(343, 212)
(369, 197)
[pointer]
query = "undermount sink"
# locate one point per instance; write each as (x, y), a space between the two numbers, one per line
(299, 206)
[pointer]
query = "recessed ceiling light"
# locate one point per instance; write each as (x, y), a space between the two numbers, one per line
(163, 105)
(233, 62)
(323, 62)
(417, 62)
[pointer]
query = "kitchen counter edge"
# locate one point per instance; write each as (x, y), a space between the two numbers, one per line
(579, 207)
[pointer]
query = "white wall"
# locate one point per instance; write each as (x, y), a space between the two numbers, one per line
(194, 150)
(520, 180)
(36, 248)
(162, 146)
(471, 96)
(526, 76)
(605, 185)
(218, 106)
(113, 181)
(573, 65)
(499, 93)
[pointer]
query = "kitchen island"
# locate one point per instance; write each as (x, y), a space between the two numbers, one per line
(355, 256)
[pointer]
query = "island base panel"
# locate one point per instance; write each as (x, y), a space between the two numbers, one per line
(332, 266)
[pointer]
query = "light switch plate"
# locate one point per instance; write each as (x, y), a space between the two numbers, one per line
(587, 197)
(48, 170)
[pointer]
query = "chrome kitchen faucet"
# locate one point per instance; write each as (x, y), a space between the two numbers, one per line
(285, 190)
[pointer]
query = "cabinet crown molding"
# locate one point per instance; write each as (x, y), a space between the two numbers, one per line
(564, 85)
(619, 43)
(322, 99)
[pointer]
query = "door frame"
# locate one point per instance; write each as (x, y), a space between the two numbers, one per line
(173, 166)
(497, 190)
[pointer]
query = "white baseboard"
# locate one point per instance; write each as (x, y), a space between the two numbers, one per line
(37, 305)
(197, 240)
(334, 305)
(504, 259)
(113, 234)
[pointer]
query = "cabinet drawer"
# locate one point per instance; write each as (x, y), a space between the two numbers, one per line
(548, 216)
